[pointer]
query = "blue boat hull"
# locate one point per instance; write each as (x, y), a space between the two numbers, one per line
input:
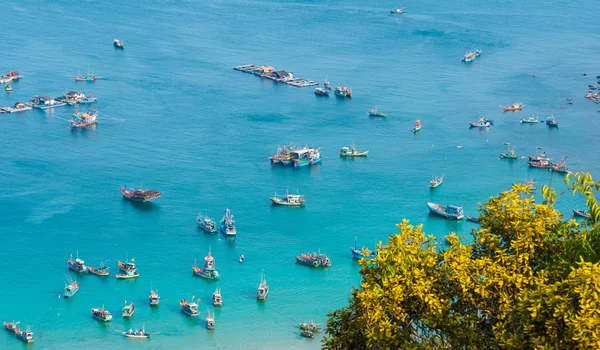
(223, 229)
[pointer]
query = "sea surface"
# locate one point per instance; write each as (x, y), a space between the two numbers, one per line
(175, 117)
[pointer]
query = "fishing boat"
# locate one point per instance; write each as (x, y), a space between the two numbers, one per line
(189, 308)
(118, 44)
(26, 335)
(312, 326)
(417, 126)
(227, 224)
(321, 92)
(154, 298)
(10, 76)
(472, 219)
(306, 156)
(561, 167)
(343, 91)
(436, 181)
(127, 275)
(140, 334)
(209, 271)
(399, 10)
(283, 156)
(468, 57)
(84, 119)
(128, 309)
(45, 102)
(217, 299)
(307, 334)
(530, 120)
(101, 315)
(87, 77)
(358, 254)
(374, 112)
(210, 320)
(351, 151)
(102, 270)
(288, 200)
(541, 162)
(509, 155)
(73, 98)
(140, 195)
(76, 265)
(551, 122)
(452, 212)
(71, 287)
(127, 265)
(263, 288)
(576, 212)
(327, 84)
(206, 223)
(11, 326)
(481, 123)
(313, 260)
(8, 87)
(514, 107)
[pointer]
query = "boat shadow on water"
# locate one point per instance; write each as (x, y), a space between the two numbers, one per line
(148, 207)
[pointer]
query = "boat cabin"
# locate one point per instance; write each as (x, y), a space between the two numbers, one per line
(454, 210)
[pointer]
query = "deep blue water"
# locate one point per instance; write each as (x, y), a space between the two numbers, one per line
(175, 116)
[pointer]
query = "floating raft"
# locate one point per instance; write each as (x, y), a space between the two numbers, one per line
(14, 110)
(278, 75)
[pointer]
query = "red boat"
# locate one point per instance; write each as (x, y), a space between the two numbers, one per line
(11, 326)
(139, 195)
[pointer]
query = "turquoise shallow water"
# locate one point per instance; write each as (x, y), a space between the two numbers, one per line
(178, 118)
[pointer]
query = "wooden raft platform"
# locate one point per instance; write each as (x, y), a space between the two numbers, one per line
(14, 110)
(258, 70)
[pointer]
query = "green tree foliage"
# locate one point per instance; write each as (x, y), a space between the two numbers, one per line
(528, 280)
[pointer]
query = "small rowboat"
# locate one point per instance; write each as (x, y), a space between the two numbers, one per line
(436, 181)
(307, 334)
(582, 213)
(472, 219)
(417, 127)
(141, 334)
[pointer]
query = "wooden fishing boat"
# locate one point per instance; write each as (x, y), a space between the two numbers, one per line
(472, 219)
(560, 168)
(71, 287)
(209, 271)
(128, 309)
(217, 299)
(140, 195)
(127, 265)
(481, 123)
(373, 112)
(343, 91)
(210, 321)
(313, 260)
(189, 308)
(351, 151)
(436, 181)
(327, 84)
(288, 200)
(417, 126)
(154, 298)
(312, 326)
(227, 224)
(11, 326)
(306, 156)
(127, 275)
(307, 334)
(76, 265)
(206, 223)
(26, 335)
(84, 119)
(283, 156)
(358, 254)
(468, 57)
(530, 120)
(101, 315)
(509, 155)
(514, 107)
(102, 270)
(118, 44)
(321, 92)
(138, 334)
(263, 288)
(452, 212)
(10, 76)
(582, 213)
(551, 122)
